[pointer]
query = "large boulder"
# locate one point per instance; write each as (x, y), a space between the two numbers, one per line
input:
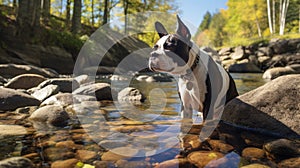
(45, 92)
(247, 67)
(102, 91)
(273, 73)
(273, 107)
(65, 84)
(12, 70)
(25, 81)
(53, 114)
(239, 53)
(11, 99)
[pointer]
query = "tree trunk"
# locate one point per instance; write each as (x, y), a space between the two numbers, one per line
(285, 6)
(76, 19)
(269, 16)
(274, 16)
(93, 16)
(68, 14)
(46, 11)
(105, 12)
(28, 19)
(125, 6)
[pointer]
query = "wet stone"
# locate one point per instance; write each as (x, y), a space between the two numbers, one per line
(219, 145)
(253, 153)
(53, 154)
(174, 163)
(282, 149)
(69, 163)
(202, 158)
(255, 165)
(290, 163)
(85, 155)
(66, 144)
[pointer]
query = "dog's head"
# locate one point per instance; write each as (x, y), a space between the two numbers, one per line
(171, 52)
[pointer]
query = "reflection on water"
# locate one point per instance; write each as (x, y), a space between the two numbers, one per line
(247, 81)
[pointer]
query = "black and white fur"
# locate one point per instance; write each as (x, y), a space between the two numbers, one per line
(201, 80)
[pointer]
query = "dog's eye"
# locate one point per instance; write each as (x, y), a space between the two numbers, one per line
(168, 46)
(155, 47)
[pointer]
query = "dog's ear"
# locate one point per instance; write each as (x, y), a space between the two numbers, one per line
(182, 30)
(160, 29)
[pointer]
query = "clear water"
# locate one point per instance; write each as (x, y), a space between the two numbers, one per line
(152, 127)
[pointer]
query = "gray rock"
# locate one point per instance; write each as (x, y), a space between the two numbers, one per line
(16, 162)
(280, 46)
(25, 81)
(239, 53)
(130, 94)
(244, 68)
(82, 79)
(264, 51)
(290, 163)
(273, 107)
(11, 99)
(282, 149)
(273, 73)
(12, 70)
(52, 114)
(65, 84)
(2, 80)
(225, 51)
(66, 99)
(7, 131)
(44, 93)
(102, 91)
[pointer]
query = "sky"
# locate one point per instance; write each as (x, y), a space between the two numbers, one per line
(192, 11)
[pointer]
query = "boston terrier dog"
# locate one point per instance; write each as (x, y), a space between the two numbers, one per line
(204, 85)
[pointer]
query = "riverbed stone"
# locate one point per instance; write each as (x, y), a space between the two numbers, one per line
(53, 153)
(69, 163)
(255, 165)
(181, 162)
(290, 163)
(86, 155)
(221, 146)
(202, 158)
(16, 162)
(25, 81)
(102, 91)
(44, 93)
(282, 149)
(7, 131)
(130, 94)
(65, 84)
(272, 107)
(253, 153)
(11, 99)
(12, 70)
(119, 153)
(52, 114)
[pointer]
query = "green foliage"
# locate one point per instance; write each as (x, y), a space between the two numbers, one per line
(205, 22)
(66, 40)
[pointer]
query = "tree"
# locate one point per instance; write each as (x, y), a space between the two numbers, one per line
(76, 19)
(68, 13)
(28, 18)
(46, 11)
(284, 7)
(205, 22)
(270, 17)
